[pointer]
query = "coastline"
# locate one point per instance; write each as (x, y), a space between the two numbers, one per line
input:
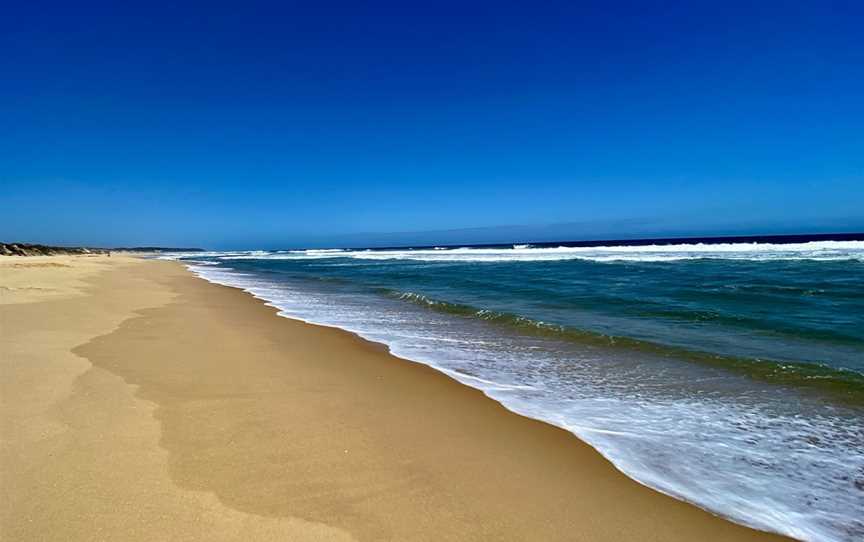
(169, 396)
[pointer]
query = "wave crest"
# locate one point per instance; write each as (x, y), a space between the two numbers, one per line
(846, 384)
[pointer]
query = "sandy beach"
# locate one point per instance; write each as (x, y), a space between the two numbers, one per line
(142, 403)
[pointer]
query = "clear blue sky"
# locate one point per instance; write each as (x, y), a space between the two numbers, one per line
(287, 123)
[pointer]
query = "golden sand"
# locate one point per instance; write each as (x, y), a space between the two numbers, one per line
(142, 403)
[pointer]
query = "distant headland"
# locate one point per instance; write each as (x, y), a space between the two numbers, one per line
(28, 249)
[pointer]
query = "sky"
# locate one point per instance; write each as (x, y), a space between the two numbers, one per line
(288, 124)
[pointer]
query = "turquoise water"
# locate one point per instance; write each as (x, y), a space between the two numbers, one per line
(731, 376)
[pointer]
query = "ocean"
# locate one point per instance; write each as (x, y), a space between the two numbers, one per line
(726, 374)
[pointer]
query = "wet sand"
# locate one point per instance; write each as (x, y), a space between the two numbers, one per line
(142, 403)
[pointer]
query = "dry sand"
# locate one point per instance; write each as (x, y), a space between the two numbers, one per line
(141, 403)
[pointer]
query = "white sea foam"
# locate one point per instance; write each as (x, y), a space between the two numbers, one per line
(779, 462)
(814, 250)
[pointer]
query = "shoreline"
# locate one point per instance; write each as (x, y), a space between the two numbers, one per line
(318, 434)
(454, 376)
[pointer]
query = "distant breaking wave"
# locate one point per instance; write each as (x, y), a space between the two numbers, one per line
(814, 250)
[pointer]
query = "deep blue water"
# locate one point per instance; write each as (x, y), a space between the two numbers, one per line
(744, 360)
